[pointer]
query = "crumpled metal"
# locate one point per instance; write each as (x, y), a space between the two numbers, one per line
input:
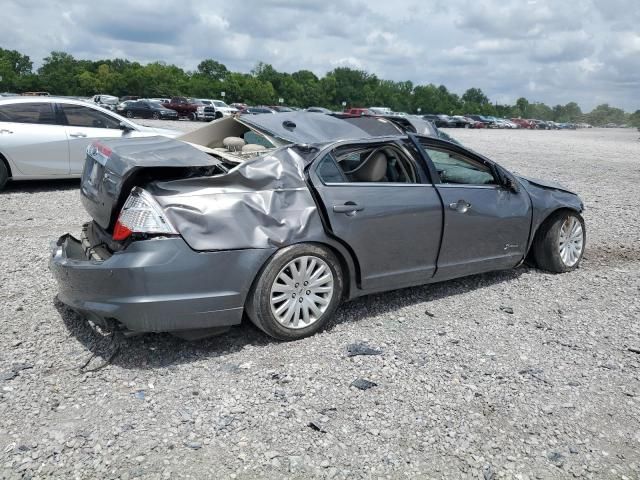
(261, 203)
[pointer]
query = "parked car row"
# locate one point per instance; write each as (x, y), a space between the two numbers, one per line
(174, 108)
(465, 121)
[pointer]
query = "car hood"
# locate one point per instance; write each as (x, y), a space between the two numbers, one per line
(546, 184)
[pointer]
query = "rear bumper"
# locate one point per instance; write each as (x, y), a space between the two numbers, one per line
(158, 285)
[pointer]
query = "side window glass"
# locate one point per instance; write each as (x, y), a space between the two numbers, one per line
(375, 164)
(80, 116)
(39, 113)
(456, 169)
(328, 171)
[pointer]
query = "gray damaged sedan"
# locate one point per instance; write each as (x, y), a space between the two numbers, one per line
(290, 215)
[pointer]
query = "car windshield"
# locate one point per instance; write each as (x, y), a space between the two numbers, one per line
(205, 102)
(220, 103)
(155, 104)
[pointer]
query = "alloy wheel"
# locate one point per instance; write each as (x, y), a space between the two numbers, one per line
(301, 292)
(571, 241)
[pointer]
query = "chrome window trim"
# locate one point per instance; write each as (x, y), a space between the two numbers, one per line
(467, 185)
(377, 184)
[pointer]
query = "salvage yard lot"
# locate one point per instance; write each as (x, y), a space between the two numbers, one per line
(515, 372)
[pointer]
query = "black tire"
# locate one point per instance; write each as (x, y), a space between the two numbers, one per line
(193, 116)
(156, 116)
(4, 175)
(258, 306)
(129, 114)
(218, 115)
(545, 248)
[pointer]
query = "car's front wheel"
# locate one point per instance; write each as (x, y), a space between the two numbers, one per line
(129, 114)
(296, 293)
(156, 116)
(560, 241)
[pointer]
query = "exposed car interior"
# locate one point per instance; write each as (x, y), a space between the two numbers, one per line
(374, 164)
(230, 140)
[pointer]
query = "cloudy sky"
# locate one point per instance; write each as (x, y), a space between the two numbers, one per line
(546, 50)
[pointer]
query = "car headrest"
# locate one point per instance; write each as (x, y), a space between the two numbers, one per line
(234, 143)
(373, 169)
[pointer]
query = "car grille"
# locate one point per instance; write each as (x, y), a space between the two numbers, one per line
(209, 110)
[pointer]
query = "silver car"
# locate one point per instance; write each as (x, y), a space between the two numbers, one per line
(47, 137)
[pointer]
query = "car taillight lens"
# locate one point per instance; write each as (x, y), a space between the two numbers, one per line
(141, 214)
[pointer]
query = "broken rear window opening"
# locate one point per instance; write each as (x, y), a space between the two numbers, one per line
(231, 141)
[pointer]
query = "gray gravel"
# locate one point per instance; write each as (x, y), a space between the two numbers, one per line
(463, 388)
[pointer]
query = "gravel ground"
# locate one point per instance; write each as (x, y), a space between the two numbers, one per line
(464, 388)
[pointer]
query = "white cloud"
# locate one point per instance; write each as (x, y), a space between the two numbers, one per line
(549, 51)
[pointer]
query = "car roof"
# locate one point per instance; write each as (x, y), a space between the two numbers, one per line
(45, 99)
(303, 127)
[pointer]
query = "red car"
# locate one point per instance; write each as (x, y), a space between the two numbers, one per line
(357, 112)
(183, 106)
(523, 123)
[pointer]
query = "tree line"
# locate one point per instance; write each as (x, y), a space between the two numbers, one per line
(62, 74)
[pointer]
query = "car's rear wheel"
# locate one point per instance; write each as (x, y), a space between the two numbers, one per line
(4, 175)
(296, 293)
(560, 242)
(193, 116)
(129, 114)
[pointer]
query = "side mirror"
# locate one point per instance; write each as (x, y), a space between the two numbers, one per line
(512, 184)
(125, 127)
(508, 181)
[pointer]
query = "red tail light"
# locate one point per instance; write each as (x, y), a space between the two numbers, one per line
(120, 232)
(141, 214)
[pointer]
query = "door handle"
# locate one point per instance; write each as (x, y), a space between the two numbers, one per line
(77, 134)
(4, 130)
(461, 206)
(350, 208)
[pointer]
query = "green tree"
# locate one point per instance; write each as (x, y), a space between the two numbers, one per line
(59, 74)
(521, 108)
(603, 114)
(212, 70)
(14, 68)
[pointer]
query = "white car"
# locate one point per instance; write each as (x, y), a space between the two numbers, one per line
(106, 101)
(221, 107)
(47, 137)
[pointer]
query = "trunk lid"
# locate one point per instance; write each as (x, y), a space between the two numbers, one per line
(112, 168)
